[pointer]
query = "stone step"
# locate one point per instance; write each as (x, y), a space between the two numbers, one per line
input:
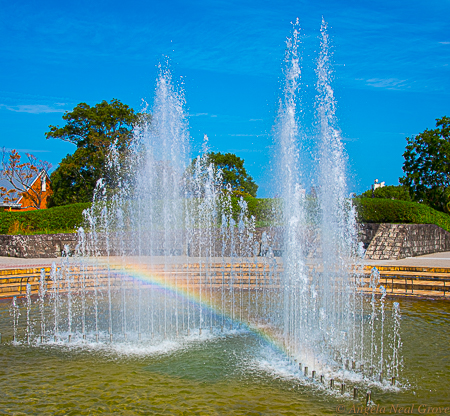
(420, 269)
(429, 281)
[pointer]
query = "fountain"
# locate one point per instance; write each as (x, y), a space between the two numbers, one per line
(169, 257)
(323, 325)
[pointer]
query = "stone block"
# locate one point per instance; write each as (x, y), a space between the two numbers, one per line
(36, 246)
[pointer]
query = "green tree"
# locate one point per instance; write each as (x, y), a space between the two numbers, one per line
(399, 193)
(233, 172)
(427, 166)
(94, 130)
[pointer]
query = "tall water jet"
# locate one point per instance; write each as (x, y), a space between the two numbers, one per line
(323, 307)
(161, 145)
(159, 183)
(292, 195)
(336, 238)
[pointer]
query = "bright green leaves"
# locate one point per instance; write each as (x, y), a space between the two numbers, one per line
(427, 166)
(93, 130)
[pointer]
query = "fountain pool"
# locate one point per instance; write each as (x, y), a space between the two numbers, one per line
(233, 374)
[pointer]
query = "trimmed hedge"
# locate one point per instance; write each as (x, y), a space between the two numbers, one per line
(397, 192)
(379, 210)
(59, 219)
(376, 210)
(260, 208)
(68, 218)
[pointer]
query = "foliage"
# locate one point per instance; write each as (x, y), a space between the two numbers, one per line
(260, 208)
(52, 220)
(21, 176)
(70, 217)
(96, 131)
(379, 210)
(375, 210)
(427, 166)
(234, 174)
(398, 192)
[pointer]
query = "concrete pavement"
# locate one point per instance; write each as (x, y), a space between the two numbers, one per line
(429, 260)
(21, 263)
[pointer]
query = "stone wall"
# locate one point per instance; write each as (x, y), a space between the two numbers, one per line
(397, 241)
(52, 245)
(387, 242)
(36, 246)
(382, 242)
(367, 232)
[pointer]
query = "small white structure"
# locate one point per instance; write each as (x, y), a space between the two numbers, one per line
(377, 185)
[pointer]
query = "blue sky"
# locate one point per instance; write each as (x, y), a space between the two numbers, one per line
(391, 61)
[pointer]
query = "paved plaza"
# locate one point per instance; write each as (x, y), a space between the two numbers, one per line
(429, 260)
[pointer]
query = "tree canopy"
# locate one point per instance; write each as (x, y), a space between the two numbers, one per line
(233, 172)
(93, 130)
(427, 166)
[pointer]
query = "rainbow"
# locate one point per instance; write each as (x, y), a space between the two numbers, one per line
(185, 289)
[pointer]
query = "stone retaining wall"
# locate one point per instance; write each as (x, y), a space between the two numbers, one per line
(367, 232)
(397, 241)
(382, 241)
(52, 245)
(36, 246)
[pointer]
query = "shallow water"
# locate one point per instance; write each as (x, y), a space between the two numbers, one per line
(237, 373)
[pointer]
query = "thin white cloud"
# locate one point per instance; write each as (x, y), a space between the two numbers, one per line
(197, 114)
(202, 115)
(33, 108)
(444, 43)
(247, 135)
(246, 150)
(256, 119)
(388, 83)
(28, 150)
(13, 97)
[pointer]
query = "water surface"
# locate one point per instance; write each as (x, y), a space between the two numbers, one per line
(237, 373)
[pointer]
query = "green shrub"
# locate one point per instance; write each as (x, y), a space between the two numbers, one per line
(68, 218)
(59, 219)
(260, 208)
(376, 210)
(379, 210)
(399, 192)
